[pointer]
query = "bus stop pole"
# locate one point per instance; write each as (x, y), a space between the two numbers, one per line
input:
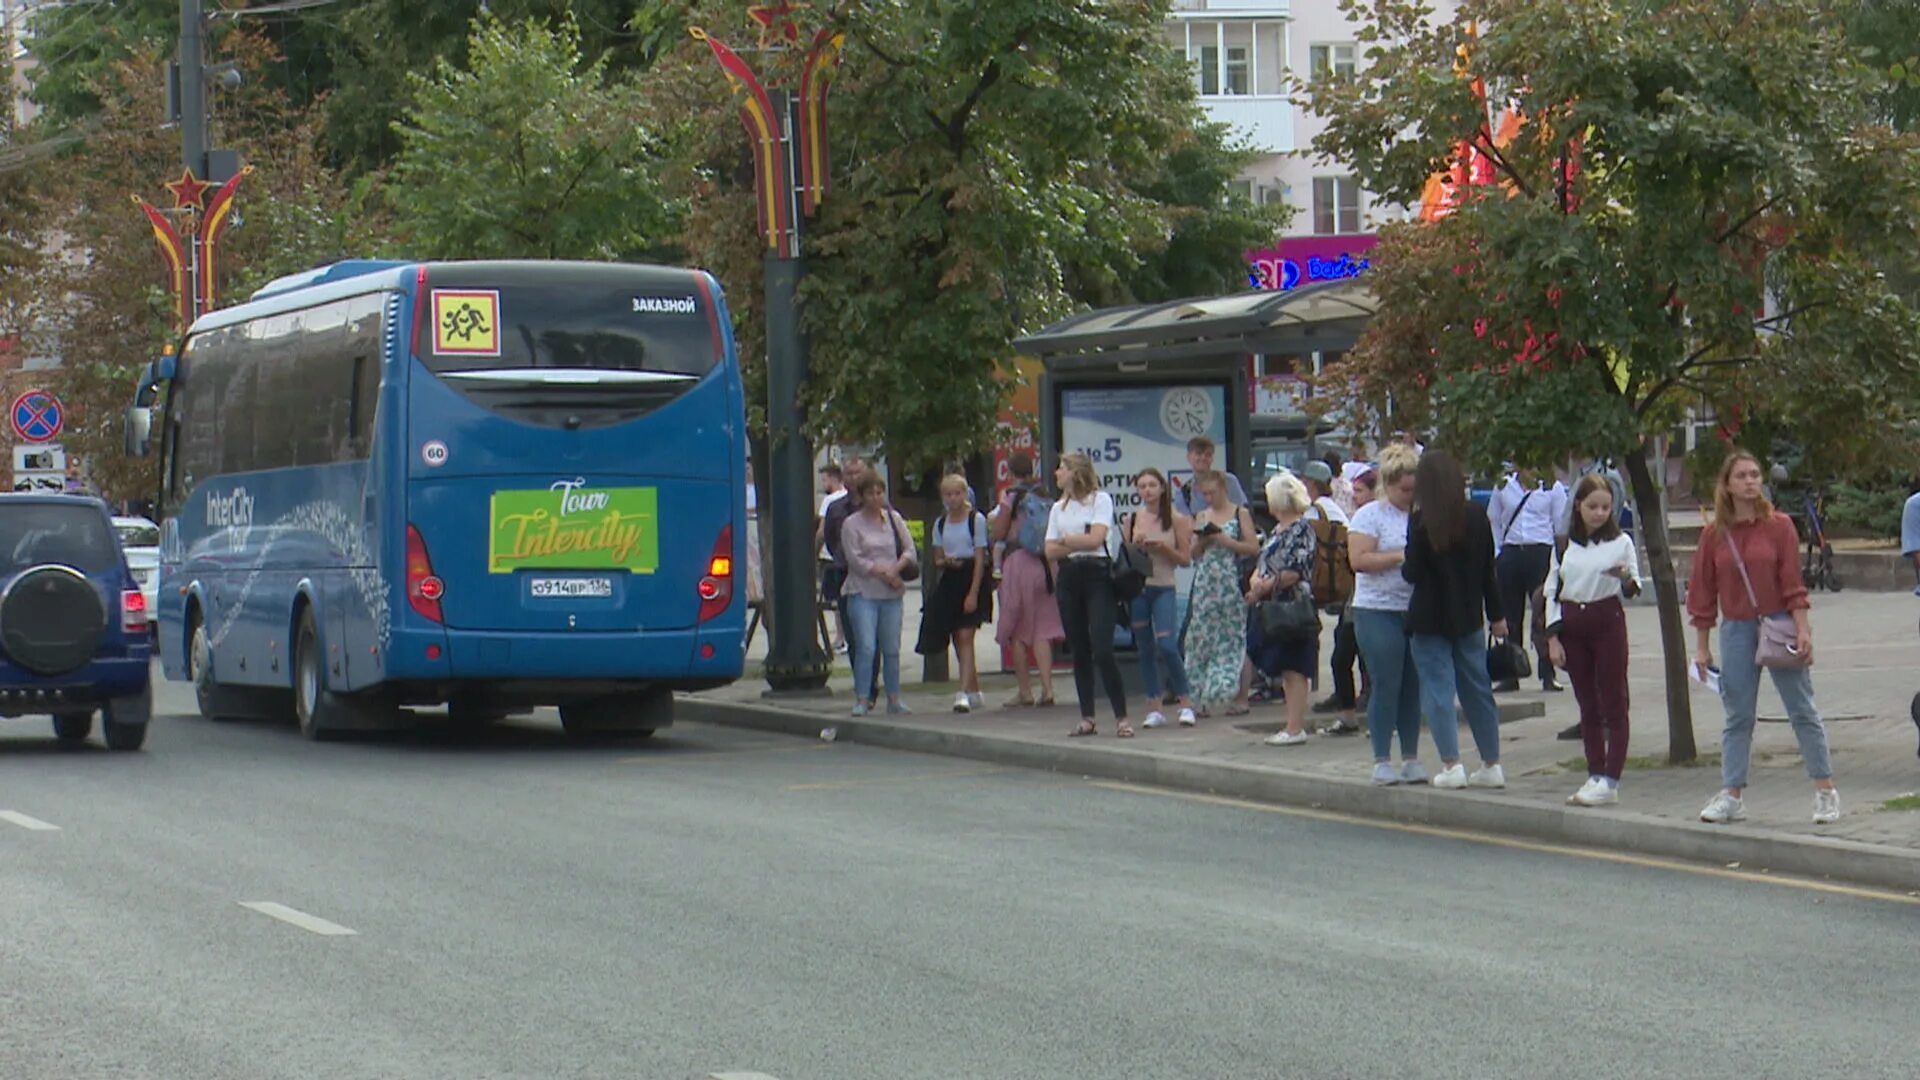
(795, 664)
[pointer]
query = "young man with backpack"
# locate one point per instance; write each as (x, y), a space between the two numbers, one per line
(1029, 618)
(1333, 591)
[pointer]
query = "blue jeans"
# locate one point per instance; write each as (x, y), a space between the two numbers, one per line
(1740, 695)
(1394, 702)
(1457, 665)
(1155, 610)
(876, 627)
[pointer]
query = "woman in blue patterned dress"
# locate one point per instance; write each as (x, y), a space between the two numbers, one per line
(1216, 642)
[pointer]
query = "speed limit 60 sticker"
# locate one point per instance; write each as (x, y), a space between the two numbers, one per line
(434, 453)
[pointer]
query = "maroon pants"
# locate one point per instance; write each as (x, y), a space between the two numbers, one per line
(1595, 638)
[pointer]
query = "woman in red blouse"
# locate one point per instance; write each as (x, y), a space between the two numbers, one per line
(1746, 572)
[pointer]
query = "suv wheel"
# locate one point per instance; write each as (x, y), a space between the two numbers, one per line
(73, 727)
(124, 720)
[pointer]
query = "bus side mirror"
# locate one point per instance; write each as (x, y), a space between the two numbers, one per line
(149, 390)
(139, 431)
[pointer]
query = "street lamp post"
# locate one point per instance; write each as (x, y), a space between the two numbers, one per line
(787, 133)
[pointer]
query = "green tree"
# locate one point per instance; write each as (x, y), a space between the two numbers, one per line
(1719, 244)
(529, 152)
(80, 47)
(993, 167)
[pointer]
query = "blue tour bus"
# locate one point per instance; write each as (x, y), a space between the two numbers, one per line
(494, 485)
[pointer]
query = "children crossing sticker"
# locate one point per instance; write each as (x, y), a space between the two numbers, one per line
(466, 322)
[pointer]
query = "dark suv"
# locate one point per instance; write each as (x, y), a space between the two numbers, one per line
(73, 622)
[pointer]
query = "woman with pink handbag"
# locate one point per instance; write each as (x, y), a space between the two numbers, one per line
(1746, 573)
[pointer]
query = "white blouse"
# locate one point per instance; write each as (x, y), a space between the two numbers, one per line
(1580, 576)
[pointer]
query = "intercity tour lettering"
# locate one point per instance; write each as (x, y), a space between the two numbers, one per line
(544, 532)
(234, 510)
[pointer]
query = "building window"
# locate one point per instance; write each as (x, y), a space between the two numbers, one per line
(1236, 59)
(1240, 189)
(1335, 60)
(1336, 205)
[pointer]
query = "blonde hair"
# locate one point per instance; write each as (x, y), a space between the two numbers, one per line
(1286, 495)
(954, 482)
(1397, 462)
(1723, 512)
(1213, 478)
(1082, 482)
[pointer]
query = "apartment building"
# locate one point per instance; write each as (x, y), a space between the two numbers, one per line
(13, 38)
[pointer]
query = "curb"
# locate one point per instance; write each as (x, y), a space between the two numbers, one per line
(1814, 857)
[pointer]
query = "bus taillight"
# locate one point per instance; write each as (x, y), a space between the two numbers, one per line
(716, 589)
(424, 590)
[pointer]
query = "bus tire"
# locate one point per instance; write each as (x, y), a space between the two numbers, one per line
(216, 702)
(323, 715)
(619, 716)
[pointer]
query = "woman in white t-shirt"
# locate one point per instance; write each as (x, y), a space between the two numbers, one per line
(1080, 539)
(962, 598)
(1376, 546)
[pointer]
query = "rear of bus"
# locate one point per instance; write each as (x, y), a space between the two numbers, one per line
(573, 486)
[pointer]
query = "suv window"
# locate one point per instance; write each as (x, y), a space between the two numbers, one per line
(39, 533)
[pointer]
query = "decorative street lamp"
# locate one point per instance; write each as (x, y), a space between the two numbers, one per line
(189, 248)
(788, 135)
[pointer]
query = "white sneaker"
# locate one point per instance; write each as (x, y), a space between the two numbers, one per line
(1488, 776)
(1281, 738)
(978, 701)
(1723, 808)
(1452, 777)
(1597, 793)
(1412, 772)
(1826, 806)
(1385, 775)
(1187, 719)
(1156, 718)
(962, 703)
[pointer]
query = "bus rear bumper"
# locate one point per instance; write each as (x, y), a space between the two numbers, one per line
(681, 659)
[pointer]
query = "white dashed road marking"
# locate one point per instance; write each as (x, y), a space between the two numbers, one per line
(740, 1076)
(310, 923)
(35, 824)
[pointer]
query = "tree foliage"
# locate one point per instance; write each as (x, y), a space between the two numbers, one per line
(1720, 243)
(993, 166)
(529, 152)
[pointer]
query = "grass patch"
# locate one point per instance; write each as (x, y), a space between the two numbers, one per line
(1904, 802)
(1637, 764)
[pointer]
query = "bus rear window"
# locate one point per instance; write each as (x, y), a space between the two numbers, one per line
(574, 353)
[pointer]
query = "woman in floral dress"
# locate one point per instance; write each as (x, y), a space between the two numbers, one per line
(1223, 533)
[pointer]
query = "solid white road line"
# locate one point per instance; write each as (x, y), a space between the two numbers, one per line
(311, 923)
(35, 824)
(740, 1076)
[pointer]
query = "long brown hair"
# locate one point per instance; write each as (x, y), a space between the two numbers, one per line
(1163, 511)
(1440, 493)
(1723, 511)
(1577, 530)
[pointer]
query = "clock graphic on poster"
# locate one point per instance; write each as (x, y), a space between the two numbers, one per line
(1186, 412)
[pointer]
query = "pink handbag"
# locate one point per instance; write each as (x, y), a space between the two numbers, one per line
(1779, 638)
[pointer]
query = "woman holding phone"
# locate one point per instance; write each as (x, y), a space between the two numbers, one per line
(1223, 534)
(1166, 535)
(1587, 632)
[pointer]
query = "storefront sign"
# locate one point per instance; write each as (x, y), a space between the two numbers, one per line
(1307, 259)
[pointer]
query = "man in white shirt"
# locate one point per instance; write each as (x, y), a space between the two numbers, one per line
(1528, 521)
(1318, 477)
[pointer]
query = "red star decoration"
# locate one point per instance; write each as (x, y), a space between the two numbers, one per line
(776, 20)
(188, 191)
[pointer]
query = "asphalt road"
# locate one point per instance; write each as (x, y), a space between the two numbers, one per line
(717, 902)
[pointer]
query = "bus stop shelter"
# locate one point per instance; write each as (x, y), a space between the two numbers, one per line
(1130, 386)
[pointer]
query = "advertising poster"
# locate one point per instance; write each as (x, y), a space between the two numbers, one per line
(1018, 419)
(1124, 429)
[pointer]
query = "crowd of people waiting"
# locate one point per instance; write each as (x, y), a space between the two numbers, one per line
(1428, 590)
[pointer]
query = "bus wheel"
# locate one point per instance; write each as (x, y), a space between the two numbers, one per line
(324, 715)
(216, 702)
(620, 716)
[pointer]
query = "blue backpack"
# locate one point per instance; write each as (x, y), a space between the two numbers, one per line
(1031, 512)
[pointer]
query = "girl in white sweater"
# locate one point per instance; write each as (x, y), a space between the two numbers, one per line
(1587, 632)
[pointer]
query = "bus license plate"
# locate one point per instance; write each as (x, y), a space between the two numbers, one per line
(572, 588)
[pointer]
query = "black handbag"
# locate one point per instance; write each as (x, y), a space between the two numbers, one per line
(912, 570)
(1506, 660)
(1129, 571)
(1288, 621)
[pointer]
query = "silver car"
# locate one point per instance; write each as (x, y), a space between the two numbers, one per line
(140, 539)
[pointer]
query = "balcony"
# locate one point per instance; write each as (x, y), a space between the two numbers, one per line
(1240, 69)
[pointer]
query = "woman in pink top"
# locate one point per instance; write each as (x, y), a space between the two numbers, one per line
(1747, 569)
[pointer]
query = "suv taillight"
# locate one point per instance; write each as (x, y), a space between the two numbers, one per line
(716, 588)
(424, 590)
(133, 611)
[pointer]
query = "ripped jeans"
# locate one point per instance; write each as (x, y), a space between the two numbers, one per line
(1155, 613)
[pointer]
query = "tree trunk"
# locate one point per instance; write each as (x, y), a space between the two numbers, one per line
(1673, 632)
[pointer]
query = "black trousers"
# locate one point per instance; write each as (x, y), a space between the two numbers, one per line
(1522, 570)
(1088, 607)
(1346, 650)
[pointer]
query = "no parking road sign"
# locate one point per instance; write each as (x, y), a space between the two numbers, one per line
(37, 416)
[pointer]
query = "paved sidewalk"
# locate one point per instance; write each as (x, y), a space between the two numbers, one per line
(1865, 680)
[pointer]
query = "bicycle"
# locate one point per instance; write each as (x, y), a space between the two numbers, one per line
(1816, 566)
